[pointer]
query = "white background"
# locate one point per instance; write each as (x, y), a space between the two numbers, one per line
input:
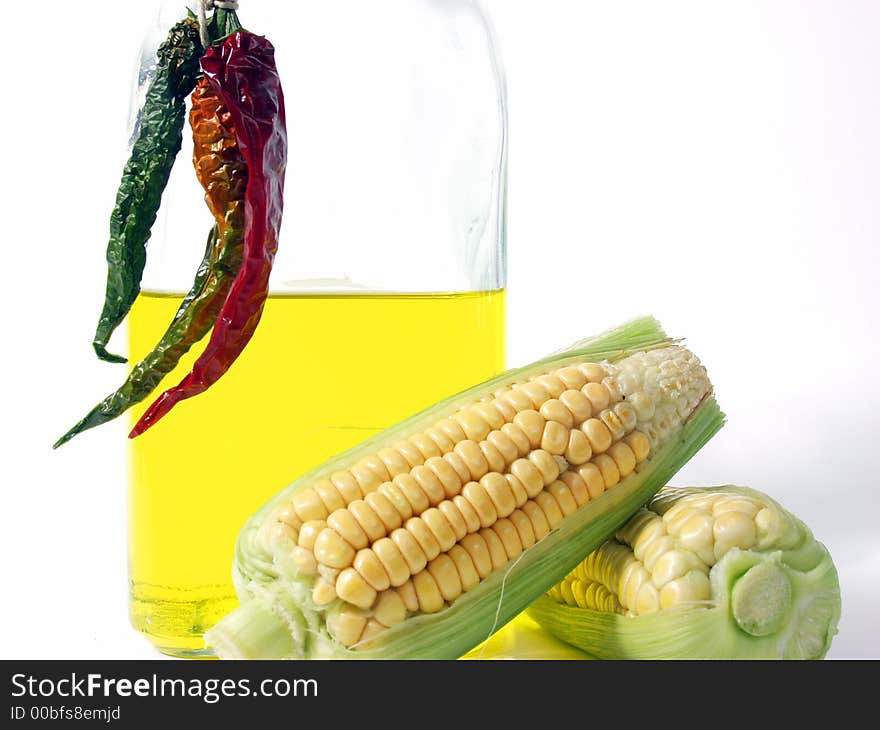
(715, 164)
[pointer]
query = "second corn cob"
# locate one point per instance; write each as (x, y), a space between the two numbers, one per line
(715, 573)
(422, 541)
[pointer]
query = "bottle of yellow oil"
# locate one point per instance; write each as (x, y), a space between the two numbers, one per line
(387, 293)
(321, 374)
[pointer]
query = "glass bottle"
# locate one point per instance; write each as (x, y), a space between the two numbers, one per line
(387, 292)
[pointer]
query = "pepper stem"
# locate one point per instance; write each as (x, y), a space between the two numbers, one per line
(223, 24)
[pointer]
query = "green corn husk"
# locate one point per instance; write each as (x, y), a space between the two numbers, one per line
(278, 618)
(778, 600)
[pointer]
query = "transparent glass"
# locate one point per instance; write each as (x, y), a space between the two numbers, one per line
(387, 292)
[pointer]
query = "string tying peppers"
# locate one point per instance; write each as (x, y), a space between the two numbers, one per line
(242, 71)
(145, 176)
(223, 173)
(240, 156)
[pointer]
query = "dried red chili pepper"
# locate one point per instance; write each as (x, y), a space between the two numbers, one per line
(242, 71)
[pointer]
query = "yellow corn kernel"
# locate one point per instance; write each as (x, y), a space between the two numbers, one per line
(578, 405)
(428, 592)
(353, 589)
(578, 450)
(304, 560)
(445, 574)
(409, 548)
(597, 434)
(624, 458)
(564, 498)
(344, 523)
(370, 568)
(394, 462)
(608, 468)
(308, 506)
(532, 425)
(571, 377)
(497, 553)
(593, 479)
(467, 571)
(524, 528)
(347, 626)
(554, 411)
(440, 528)
(367, 519)
(429, 484)
(385, 510)
(640, 445)
(332, 550)
(329, 495)
(471, 518)
(428, 544)
(598, 396)
(499, 492)
(324, 592)
(517, 489)
(390, 609)
(547, 465)
(309, 532)
(392, 560)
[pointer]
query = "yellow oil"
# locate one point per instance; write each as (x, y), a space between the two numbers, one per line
(322, 373)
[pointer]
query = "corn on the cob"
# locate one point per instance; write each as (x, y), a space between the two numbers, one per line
(423, 540)
(720, 573)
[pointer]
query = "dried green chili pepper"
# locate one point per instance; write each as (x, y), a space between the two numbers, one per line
(146, 175)
(223, 173)
(242, 70)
